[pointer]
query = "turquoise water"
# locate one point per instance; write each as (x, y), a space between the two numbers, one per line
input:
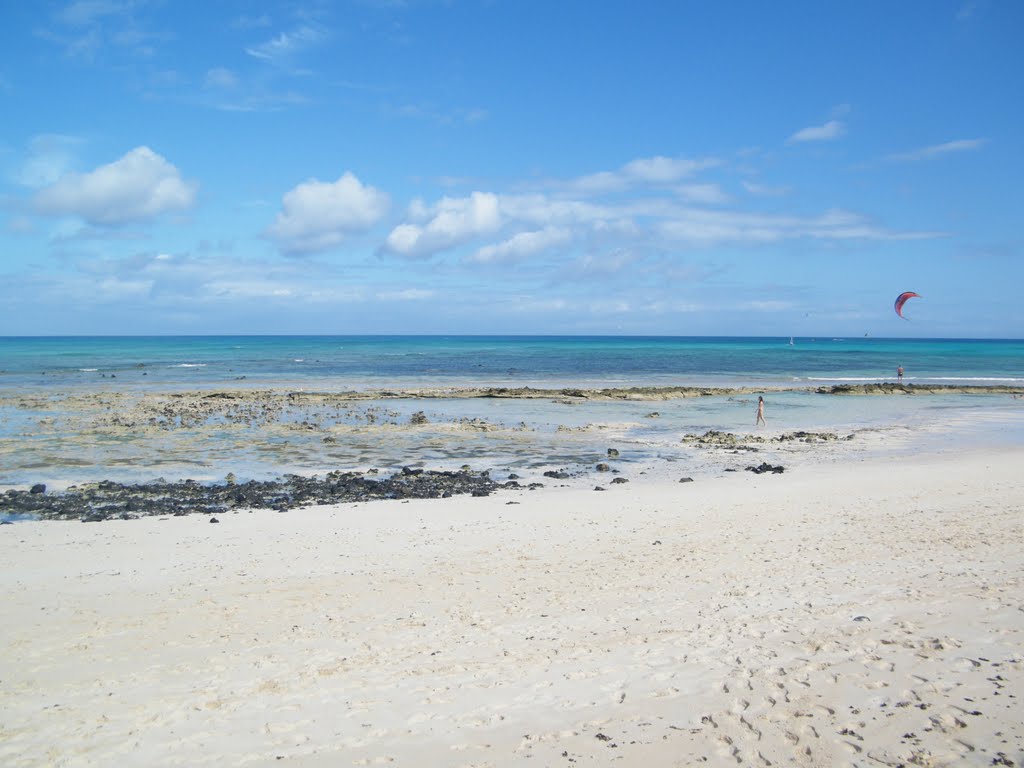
(70, 407)
(361, 362)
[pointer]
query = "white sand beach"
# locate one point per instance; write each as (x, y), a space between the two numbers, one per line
(864, 613)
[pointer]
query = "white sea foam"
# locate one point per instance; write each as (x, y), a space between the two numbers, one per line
(999, 379)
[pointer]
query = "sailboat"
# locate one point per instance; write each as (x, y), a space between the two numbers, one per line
(791, 341)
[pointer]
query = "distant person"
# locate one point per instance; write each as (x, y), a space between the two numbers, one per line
(899, 373)
(760, 412)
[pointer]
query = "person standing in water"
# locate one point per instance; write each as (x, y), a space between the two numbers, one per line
(760, 411)
(899, 374)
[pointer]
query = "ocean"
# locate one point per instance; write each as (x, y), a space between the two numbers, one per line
(370, 362)
(131, 409)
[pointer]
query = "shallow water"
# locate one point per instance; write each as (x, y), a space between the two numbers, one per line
(62, 441)
(78, 410)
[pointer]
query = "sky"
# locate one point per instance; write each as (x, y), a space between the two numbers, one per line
(512, 167)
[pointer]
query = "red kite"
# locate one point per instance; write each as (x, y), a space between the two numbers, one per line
(901, 300)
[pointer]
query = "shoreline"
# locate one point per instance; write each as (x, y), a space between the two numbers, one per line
(205, 438)
(638, 392)
(838, 613)
(109, 500)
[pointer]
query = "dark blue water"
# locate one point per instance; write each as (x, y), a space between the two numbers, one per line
(410, 361)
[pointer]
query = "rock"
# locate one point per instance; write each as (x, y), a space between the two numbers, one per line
(685, 479)
(110, 500)
(38, 488)
(612, 453)
(557, 474)
(603, 467)
(214, 520)
(418, 418)
(619, 481)
(764, 466)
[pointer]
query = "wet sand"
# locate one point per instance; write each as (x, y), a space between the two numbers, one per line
(839, 614)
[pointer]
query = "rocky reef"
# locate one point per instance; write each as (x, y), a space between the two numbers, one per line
(107, 499)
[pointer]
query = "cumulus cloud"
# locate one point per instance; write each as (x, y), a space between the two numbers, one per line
(663, 209)
(522, 245)
(935, 150)
(833, 129)
(643, 170)
(664, 170)
(317, 215)
(452, 222)
(138, 186)
(544, 210)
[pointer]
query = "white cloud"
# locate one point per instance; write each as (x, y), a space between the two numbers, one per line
(219, 77)
(521, 245)
(408, 294)
(703, 227)
(251, 22)
(663, 170)
(511, 228)
(710, 194)
(543, 210)
(286, 44)
(317, 215)
(643, 170)
(924, 153)
(49, 157)
(765, 190)
(600, 265)
(768, 305)
(453, 222)
(833, 129)
(446, 116)
(598, 183)
(967, 10)
(86, 12)
(138, 186)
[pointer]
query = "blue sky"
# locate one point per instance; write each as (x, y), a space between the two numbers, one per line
(512, 166)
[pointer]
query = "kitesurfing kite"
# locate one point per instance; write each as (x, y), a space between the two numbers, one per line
(901, 300)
